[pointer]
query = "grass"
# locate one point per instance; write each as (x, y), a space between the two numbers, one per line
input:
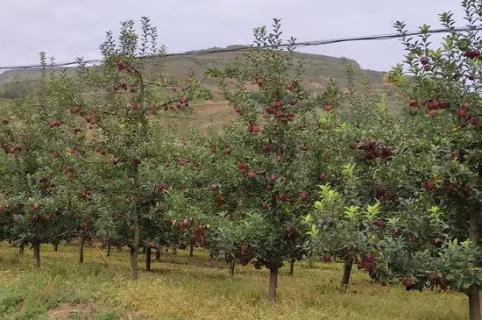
(181, 288)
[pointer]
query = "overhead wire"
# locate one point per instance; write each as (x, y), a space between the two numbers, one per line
(251, 47)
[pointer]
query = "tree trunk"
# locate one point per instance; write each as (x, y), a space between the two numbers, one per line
(191, 250)
(292, 266)
(108, 249)
(36, 252)
(158, 254)
(148, 258)
(135, 253)
(474, 303)
(81, 250)
(133, 261)
(347, 271)
(273, 284)
(21, 248)
(474, 291)
(56, 246)
(232, 266)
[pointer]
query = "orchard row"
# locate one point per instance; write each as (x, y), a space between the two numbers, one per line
(298, 175)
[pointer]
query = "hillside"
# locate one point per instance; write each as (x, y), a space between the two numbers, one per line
(318, 69)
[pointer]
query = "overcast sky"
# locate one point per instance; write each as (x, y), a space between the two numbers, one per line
(71, 28)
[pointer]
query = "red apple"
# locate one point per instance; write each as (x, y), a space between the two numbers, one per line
(322, 177)
(463, 112)
(367, 262)
(254, 129)
(430, 185)
(252, 175)
(433, 105)
(243, 167)
(425, 60)
(162, 187)
(304, 196)
(475, 121)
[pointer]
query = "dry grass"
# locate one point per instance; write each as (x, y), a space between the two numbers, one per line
(194, 288)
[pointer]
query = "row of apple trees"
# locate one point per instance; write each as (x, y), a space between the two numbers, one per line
(298, 175)
(406, 201)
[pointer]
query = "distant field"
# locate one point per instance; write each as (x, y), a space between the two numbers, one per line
(182, 288)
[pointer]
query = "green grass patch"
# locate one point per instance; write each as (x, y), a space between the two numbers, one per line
(180, 287)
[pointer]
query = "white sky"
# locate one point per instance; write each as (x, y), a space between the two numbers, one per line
(68, 29)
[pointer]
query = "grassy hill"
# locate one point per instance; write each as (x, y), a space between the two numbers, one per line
(318, 70)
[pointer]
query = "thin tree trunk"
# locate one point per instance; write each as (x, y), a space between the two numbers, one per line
(108, 250)
(133, 262)
(273, 285)
(36, 252)
(56, 246)
(21, 248)
(232, 266)
(135, 269)
(292, 267)
(191, 250)
(135, 248)
(345, 282)
(474, 291)
(148, 258)
(81, 250)
(158, 254)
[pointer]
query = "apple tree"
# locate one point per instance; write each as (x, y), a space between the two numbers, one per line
(444, 99)
(123, 118)
(41, 145)
(269, 170)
